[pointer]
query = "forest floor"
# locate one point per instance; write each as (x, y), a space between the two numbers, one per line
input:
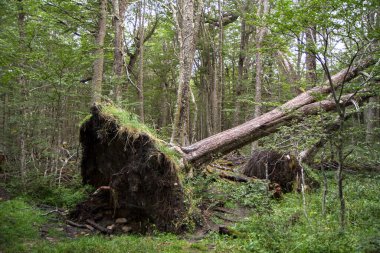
(229, 217)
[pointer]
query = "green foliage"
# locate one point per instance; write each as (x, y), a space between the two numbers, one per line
(280, 227)
(284, 228)
(252, 194)
(19, 223)
(42, 189)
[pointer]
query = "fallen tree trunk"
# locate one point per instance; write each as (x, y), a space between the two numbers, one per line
(137, 177)
(305, 104)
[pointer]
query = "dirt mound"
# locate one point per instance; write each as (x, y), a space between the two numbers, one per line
(134, 179)
(280, 168)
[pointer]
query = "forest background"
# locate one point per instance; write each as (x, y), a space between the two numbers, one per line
(188, 69)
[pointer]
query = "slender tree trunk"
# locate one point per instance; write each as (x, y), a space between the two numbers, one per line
(140, 80)
(241, 63)
(119, 7)
(97, 75)
(262, 11)
(186, 31)
(371, 119)
(299, 55)
(215, 92)
(311, 61)
(342, 216)
(221, 69)
(24, 93)
(164, 116)
(325, 188)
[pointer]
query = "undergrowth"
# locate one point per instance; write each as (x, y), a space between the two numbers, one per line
(44, 190)
(273, 226)
(19, 224)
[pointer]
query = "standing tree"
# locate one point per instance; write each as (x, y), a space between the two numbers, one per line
(140, 79)
(97, 74)
(187, 25)
(261, 30)
(119, 7)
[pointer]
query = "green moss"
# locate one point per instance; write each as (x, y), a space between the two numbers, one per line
(19, 224)
(131, 122)
(87, 117)
(128, 120)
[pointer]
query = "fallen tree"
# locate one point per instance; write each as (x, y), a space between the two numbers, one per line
(137, 176)
(304, 104)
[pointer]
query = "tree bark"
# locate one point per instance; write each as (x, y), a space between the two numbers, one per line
(262, 10)
(305, 103)
(371, 119)
(242, 56)
(187, 30)
(21, 20)
(119, 7)
(311, 61)
(97, 75)
(140, 79)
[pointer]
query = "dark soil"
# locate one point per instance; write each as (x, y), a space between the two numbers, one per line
(282, 169)
(134, 179)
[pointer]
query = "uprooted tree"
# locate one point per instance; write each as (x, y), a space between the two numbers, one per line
(137, 178)
(304, 104)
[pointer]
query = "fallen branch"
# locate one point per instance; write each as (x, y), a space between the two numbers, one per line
(229, 175)
(85, 226)
(98, 227)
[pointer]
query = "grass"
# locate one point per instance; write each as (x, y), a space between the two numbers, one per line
(19, 224)
(43, 190)
(274, 226)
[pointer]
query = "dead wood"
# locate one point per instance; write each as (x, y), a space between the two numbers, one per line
(222, 143)
(234, 178)
(98, 227)
(85, 226)
(229, 175)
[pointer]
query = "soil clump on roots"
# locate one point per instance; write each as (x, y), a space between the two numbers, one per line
(138, 187)
(279, 168)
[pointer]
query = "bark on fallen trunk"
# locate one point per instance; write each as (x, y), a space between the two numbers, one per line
(305, 104)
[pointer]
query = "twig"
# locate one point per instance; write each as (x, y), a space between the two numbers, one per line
(98, 227)
(54, 211)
